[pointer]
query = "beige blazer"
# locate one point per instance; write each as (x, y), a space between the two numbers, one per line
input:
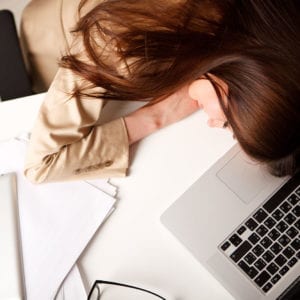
(67, 142)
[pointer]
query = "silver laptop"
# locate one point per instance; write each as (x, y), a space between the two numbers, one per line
(11, 279)
(243, 225)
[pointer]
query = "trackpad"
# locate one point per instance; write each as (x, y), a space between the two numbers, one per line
(243, 177)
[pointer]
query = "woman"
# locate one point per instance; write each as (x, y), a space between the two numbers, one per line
(238, 60)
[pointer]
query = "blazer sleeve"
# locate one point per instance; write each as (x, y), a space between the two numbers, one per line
(66, 142)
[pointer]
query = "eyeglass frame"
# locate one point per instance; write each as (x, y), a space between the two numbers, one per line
(96, 282)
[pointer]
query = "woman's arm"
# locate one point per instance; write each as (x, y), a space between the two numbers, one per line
(151, 118)
(67, 143)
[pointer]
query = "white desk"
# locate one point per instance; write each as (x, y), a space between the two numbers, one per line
(133, 246)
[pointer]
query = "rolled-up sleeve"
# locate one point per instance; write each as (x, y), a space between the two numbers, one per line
(67, 143)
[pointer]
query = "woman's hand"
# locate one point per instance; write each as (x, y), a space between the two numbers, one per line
(153, 117)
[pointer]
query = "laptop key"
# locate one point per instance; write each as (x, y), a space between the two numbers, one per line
(273, 203)
(297, 224)
(277, 214)
(284, 270)
(260, 215)
(282, 226)
(266, 242)
(240, 251)
(241, 230)
(274, 234)
(251, 224)
(284, 240)
(288, 252)
(268, 256)
(276, 248)
(253, 238)
(280, 260)
(270, 222)
(262, 230)
(272, 268)
(267, 287)
(296, 244)
(250, 271)
(292, 232)
(259, 264)
(292, 262)
(225, 246)
(235, 240)
(298, 191)
(258, 250)
(290, 218)
(296, 211)
(285, 207)
(293, 199)
(250, 258)
(275, 279)
(262, 278)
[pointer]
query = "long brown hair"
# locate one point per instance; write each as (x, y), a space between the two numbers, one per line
(159, 46)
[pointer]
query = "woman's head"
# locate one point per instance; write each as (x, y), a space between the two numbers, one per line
(249, 50)
(261, 76)
(260, 99)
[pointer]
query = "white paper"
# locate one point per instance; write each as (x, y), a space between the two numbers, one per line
(104, 186)
(57, 222)
(72, 287)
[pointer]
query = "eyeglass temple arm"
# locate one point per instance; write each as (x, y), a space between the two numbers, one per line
(124, 285)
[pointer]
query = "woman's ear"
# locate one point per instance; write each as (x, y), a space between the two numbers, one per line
(201, 89)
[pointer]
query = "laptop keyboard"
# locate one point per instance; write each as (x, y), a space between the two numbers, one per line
(266, 246)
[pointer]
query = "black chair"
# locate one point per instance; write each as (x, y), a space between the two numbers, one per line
(14, 79)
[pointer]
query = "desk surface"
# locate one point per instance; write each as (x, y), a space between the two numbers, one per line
(133, 246)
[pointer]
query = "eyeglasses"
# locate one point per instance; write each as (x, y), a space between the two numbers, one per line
(109, 290)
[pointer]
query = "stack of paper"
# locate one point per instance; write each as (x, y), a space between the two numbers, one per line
(57, 221)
